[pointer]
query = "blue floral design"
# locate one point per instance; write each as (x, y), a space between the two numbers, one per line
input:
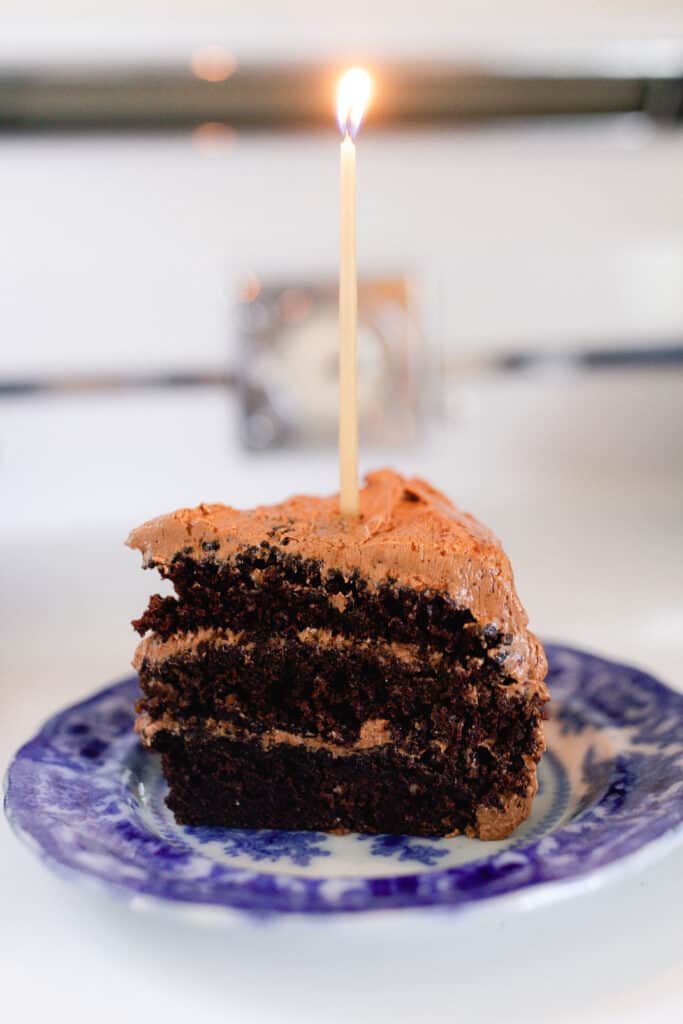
(84, 794)
(404, 848)
(265, 844)
(572, 719)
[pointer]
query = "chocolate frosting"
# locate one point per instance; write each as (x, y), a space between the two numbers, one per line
(406, 531)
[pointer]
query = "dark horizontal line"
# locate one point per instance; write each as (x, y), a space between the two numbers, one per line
(297, 97)
(89, 384)
(596, 359)
(588, 359)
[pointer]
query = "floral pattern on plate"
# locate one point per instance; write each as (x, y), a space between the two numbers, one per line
(87, 798)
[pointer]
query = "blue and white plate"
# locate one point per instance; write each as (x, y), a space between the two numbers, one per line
(85, 795)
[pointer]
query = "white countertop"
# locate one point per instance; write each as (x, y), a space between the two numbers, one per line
(582, 478)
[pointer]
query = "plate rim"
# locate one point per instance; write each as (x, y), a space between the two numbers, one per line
(526, 894)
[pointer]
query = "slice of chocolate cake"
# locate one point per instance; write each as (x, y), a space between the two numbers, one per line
(318, 672)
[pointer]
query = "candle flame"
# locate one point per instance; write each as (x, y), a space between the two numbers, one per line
(353, 94)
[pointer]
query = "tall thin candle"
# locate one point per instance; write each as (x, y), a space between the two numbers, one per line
(352, 97)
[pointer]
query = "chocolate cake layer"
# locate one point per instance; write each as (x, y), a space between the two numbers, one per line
(317, 683)
(268, 591)
(239, 784)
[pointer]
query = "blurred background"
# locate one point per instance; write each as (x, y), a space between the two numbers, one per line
(169, 212)
(168, 261)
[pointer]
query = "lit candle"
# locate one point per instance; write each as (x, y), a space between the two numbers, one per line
(353, 94)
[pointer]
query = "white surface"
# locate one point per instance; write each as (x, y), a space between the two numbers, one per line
(630, 36)
(583, 479)
(126, 253)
